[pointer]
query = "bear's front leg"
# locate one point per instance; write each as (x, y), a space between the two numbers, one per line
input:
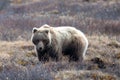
(54, 56)
(43, 57)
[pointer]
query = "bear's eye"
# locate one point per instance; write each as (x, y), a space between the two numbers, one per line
(36, 42)
(45, 42)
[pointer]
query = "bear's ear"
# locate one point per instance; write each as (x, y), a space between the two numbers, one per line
(46, 31)
(34, 30)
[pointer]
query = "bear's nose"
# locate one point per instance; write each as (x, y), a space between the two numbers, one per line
(40, 48)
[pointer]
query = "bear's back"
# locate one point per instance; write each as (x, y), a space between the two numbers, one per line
(66, 29)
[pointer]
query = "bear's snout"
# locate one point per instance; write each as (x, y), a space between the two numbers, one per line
(40, 46)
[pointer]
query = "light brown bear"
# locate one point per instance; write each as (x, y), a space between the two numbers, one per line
(53, 42)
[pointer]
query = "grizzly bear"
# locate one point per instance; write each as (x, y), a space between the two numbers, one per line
(55, 42)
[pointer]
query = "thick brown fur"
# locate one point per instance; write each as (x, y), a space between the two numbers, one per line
(63, 41)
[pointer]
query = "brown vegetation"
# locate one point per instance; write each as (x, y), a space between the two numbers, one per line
(98, 19)
(102, 61)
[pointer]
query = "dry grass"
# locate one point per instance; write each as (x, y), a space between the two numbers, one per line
(102, 61)
(83, 75)
(98, 19)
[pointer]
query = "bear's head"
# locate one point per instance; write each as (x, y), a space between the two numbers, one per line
(41, 38)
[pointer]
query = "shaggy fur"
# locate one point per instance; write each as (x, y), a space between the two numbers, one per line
(61, 41)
